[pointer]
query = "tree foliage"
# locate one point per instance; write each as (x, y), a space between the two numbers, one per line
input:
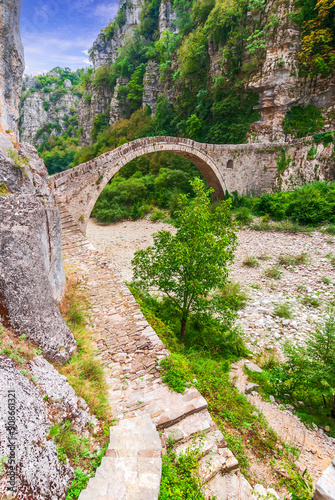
(189, 265)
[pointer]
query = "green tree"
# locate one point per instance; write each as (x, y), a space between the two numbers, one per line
(189, 265)
(309, 372)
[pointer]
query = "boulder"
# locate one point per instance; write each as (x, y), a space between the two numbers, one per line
(31, 268)
(38, 473)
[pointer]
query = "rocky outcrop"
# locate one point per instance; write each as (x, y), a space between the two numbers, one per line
(38, 398)
(24, 429)
(152, 86)
(31, 268)
(117, 108)
(278, 82)
(167, 17)
(39, 109)
(11, 65)
(95, 101)
(104, 50)
(325, 488)
(63, 400)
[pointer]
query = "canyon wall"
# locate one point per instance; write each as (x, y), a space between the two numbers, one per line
(32, 275)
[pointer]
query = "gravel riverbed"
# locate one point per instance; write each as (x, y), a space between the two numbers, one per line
(263, 329)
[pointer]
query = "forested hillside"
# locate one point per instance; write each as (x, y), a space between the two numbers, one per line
(215, 71)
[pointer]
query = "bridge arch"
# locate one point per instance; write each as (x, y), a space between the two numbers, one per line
(79, 188)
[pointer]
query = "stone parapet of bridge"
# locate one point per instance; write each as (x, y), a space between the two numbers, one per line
(245, 168)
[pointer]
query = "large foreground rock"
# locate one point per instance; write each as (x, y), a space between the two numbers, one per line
(31, 268)
(38, 474)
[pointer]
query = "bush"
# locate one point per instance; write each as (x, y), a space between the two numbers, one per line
(283, 310)
(302, 121)
(251, 262)
(243, 216)
(309, 205)
(308, 375)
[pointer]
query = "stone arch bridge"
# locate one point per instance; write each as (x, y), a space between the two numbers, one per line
(243, 168)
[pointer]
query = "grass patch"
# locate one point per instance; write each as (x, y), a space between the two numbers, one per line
(283, 310)
(3, 189)
(233, 295)
(255, 286)
(250, 262)
(330, 229)
(273, 272)
(331, 257)
(293, 260)
(264, 257)
(180, 478)
(309, 301)
(243, 427)
(83, 371)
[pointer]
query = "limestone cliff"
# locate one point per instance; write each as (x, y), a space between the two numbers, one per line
(45, 111)
(278, 82)
(106, 46)
(11, 65)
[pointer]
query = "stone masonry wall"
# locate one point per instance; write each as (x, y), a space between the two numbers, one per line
(246, 168)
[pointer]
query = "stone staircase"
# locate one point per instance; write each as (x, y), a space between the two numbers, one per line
(142, 404)
(72, 237)
(132, 467)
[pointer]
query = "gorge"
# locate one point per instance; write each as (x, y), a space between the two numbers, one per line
(230, 90)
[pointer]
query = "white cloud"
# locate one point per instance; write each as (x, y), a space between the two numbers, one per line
(106, 11)
(56, 50)
(87, 61)
(85, 52)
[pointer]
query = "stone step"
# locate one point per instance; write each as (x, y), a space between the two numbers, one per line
(184, 430)
(231, 486)
(220, 461)
(202, 443)
(132, 467)
(166, 407)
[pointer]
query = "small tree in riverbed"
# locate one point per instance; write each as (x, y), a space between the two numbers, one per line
(188, 266)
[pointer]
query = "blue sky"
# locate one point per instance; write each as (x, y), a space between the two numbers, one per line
(60, 32)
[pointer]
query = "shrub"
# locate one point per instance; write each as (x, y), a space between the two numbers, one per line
(273, 272)
(243, 216)
(283, 310)
(233, 296)
(308, 373)
(180, 480)
(302, 121)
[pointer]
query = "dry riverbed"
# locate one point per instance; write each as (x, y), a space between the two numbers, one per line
(297, 285)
